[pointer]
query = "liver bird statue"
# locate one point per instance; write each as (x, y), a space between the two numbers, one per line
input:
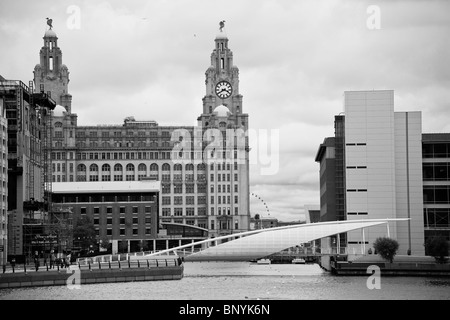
(49, 22)
(222, 25)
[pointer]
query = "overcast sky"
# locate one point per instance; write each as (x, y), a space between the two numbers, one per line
(148, 59)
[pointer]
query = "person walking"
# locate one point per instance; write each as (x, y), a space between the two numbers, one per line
(36, 260)
(52, 259)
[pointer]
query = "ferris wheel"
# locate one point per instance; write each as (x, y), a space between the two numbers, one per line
(261, 201)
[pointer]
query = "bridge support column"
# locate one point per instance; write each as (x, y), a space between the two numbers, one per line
(167, 244)
(388, 233)
(363, 242)
(338, 244)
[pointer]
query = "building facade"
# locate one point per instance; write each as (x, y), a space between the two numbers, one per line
(383, 170)
(204, 180)
(25, 112)
(3, 182)
(436, 184)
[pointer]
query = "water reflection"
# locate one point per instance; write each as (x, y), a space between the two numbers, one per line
(240, 281)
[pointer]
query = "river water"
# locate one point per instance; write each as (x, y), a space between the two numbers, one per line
(248, 281)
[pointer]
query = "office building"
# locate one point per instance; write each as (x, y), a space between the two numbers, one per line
(383, 170)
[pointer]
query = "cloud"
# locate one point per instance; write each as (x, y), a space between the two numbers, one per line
(296, 58)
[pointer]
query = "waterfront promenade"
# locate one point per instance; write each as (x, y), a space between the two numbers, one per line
(100, 272)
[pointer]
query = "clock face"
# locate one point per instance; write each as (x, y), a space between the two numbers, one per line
(223, 89)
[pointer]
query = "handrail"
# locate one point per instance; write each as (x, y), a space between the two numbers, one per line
(131, 264)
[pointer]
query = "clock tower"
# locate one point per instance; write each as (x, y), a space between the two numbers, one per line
(222, 79)
(50, 75)
(228, 204)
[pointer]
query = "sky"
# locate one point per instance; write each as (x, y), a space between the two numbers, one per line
(296, 58)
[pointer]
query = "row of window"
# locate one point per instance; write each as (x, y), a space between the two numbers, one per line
(436, 194)
(436, 171)
(167, 212)
(109, 210)
(122, 220)
(128, 133)
(224, 199)
(105, 197)
(436, 150)
(154, 168)
(224, 211)
(122, 232)
(436, 217)
(138, 155)
(190, 200)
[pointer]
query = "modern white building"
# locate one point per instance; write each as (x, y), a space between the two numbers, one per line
(383, 169)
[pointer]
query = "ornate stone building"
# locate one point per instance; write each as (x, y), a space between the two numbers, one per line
(204, 180)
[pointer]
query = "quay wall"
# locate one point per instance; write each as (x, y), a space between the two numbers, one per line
(60, 278)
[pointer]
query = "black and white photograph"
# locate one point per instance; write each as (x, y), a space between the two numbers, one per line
(229, 158)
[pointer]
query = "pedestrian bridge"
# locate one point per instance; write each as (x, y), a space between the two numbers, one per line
(257, 244)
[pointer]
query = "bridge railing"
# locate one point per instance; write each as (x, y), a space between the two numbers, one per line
(127, 264)
(115, 257)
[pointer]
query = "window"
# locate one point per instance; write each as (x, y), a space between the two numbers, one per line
(121, 209)
(189, 188)
(166, 200)
(135, 210)
(166, 212)
(122, 220)
(178, 200)
(109, 232)
(122, 231)
(190, 211)
(106, 167)
(130, 167)
(109, 221)
(96, 210)
(135, 220)
(235, 199)
(109, 210)
(82, 210)
(135, 231)
(190, 200)
(166, 188)
(178, 188)
(142, 167)
(178, 211)
(201, 200)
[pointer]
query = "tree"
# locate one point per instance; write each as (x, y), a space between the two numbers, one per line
(386, 248)
(104, 243)
(84, 233)
(437, 247)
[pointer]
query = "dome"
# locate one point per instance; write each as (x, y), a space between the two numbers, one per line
(221, 35)
(59, 111)
(50, 34)
(222, 111)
